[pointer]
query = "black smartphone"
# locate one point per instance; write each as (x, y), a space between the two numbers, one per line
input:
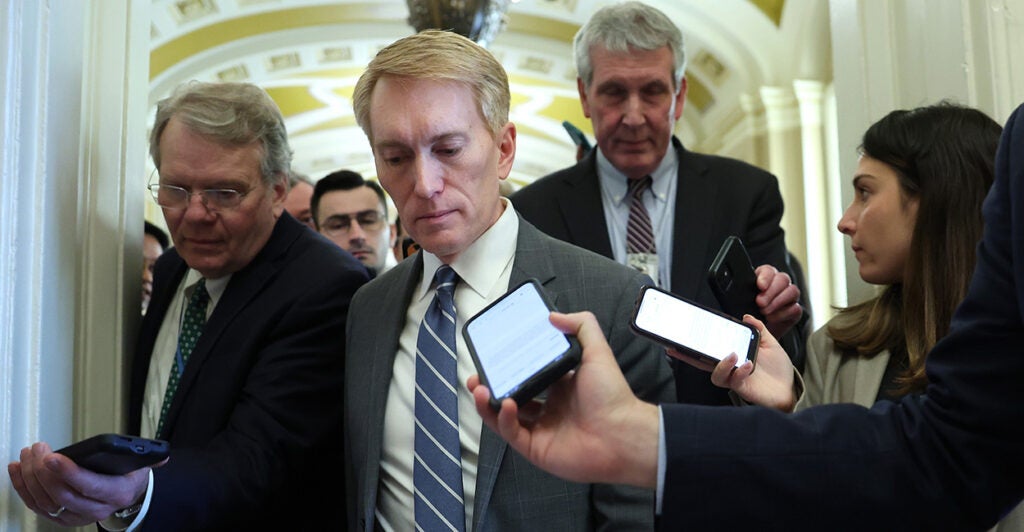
(116, 454)
(691, 328)
(517, 351)
(577, 136)
(733, 280)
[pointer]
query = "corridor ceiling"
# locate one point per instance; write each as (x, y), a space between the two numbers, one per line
(308, 54)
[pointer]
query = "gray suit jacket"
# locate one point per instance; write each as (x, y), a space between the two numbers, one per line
(511, 494)
(830, 377)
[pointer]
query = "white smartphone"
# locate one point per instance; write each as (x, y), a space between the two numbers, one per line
(517, 351)
(691, 328)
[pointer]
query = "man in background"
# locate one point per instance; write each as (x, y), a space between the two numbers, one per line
(154, 242)
(642, 199)
(297, 201)
(353, 213)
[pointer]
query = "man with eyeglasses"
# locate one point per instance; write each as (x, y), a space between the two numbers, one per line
(239, 360)
(353, 213)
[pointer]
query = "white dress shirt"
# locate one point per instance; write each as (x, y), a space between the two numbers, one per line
(660, 207)
(484, 270)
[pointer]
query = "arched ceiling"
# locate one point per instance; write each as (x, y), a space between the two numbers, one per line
(308, 54)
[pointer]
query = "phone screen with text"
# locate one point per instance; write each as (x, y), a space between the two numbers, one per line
(513, 340)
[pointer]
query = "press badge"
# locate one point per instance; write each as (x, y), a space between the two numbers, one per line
(644, 262)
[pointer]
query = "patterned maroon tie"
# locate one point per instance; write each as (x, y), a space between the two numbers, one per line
(639, 233)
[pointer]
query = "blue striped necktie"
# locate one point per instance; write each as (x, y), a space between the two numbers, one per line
(437, 467)
(191, 327)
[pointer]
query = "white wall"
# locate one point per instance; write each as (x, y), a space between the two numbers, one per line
(73, 74)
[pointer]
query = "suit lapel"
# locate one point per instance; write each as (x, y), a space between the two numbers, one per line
(532, 260)
(695, 196)
(163, 295)
(582, 208)
(245, 285)
(382, 351)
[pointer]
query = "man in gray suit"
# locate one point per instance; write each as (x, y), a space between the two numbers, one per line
(435, 109)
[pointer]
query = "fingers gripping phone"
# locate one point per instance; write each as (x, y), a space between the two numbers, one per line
(733, 280)
(517, 351)
(115, 454)
(692, 329)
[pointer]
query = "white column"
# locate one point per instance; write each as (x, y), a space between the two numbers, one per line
(113, 150)
(810, 93)
(754, 127)
(784, 160)
(38, 210)
(72, 133)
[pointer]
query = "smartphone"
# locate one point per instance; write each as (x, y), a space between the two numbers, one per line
(691, 328)
(733, 280)
(116, 454)
(517, 351)
(577, 136)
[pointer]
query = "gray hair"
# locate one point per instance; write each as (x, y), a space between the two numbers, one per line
(294, 178)
(619, 27)
(231, 114)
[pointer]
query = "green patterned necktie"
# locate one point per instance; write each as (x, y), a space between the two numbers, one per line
(191, 328)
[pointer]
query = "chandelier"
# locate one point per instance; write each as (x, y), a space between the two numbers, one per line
(480, 20)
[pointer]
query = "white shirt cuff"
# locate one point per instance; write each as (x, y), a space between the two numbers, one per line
(115, 524)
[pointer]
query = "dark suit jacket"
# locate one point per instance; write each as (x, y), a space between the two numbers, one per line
(952, 459)
(511, 494)
(715, 197)
(255, 426)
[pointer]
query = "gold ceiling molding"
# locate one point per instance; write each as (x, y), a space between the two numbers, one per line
(698, 95)
(541, 27)
(294, 100)
(333, 73)
(340, 123)
(173, 52)
(771, 9)
(710, 67)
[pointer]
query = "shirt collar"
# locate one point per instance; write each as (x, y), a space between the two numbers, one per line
(481, 264)
(215, 287)
(615, 183)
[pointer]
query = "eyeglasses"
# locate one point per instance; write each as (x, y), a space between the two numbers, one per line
(214, 199)
(341, 224)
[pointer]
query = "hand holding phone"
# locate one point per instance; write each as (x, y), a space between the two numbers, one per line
(691, 328)
(517, 351)
(116, 454)
(733, 280)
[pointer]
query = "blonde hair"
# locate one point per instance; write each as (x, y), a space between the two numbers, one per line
(440, 56)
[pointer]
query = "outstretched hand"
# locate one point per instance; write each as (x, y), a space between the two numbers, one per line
(53, 486)
(591, 428)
